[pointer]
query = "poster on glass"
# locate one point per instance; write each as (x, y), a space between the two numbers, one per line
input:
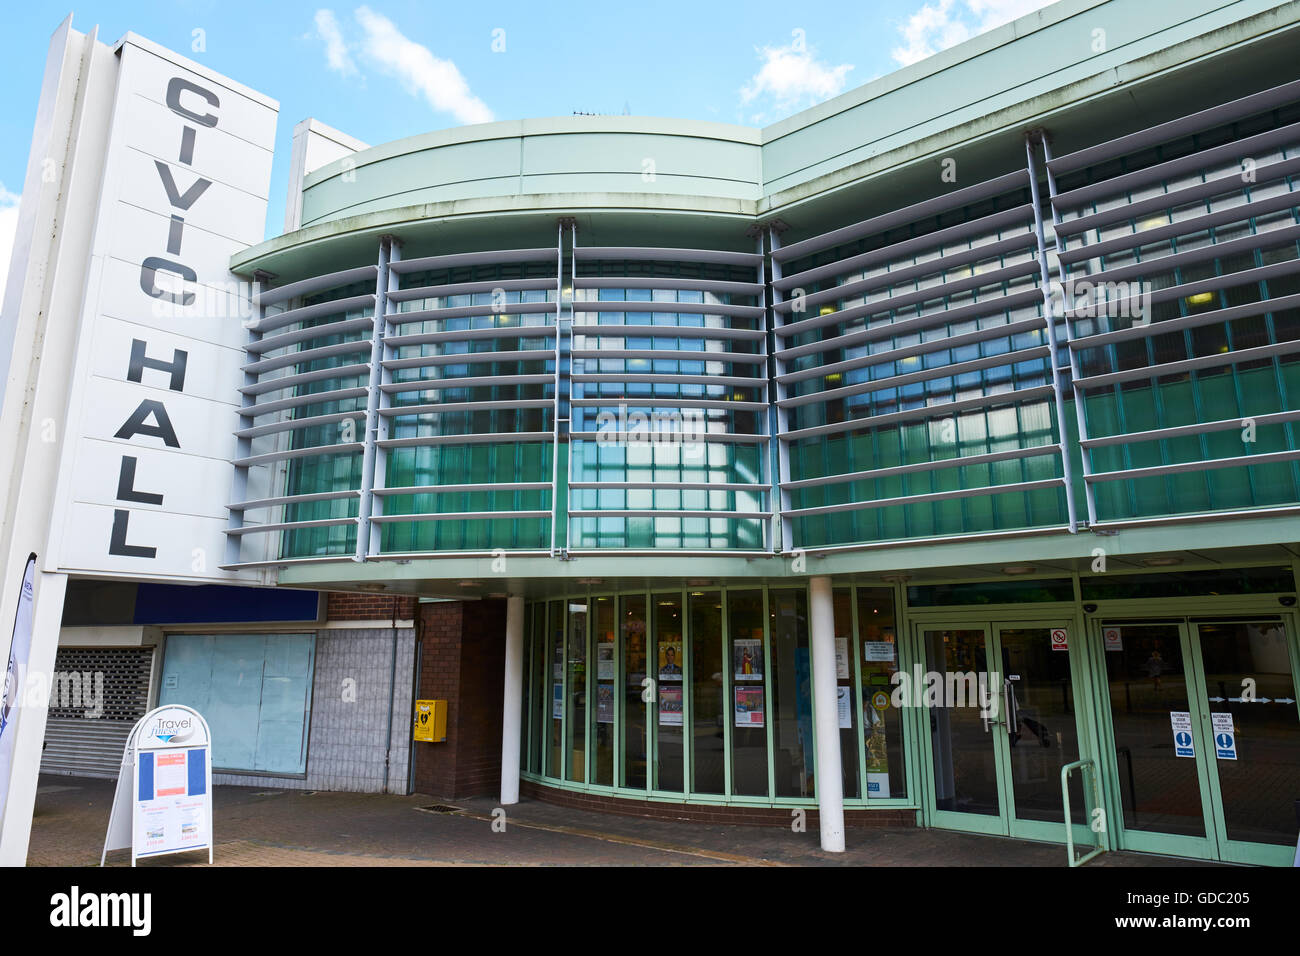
(604, 703)
(670, 706)
(749, 707)
(747, 655)
(874, 708)
(670, 657)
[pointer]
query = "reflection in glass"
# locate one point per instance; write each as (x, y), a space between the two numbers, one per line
(577, 709)
(846, 707)
(748, 705)
(632, 635)
(708, 707)
(1250, 660)
(1039, 702)
(1159, 790)
(792, 734)
(602, 698)
(555, 688)
(668, 717)
(882, 723)
(965, 771)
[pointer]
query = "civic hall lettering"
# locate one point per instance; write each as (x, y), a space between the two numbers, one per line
(196, 106)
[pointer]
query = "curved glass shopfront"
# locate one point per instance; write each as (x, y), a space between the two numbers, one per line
(703, 695)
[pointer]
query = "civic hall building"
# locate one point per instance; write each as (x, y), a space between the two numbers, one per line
(928, 458)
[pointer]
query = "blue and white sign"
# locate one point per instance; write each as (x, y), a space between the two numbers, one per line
(20, 648)
(1225, 736)
(165, 804)
(1184, 745)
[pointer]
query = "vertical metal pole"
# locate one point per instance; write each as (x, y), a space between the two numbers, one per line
(1080, 413)
(828, 770)
(512, 699)
(1045, 283)
(383, 423)
(555, 413)
(372, 405)
(782, 527)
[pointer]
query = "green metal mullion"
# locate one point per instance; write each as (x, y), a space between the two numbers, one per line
(855, 674)
(620, 691)
(688, 728)
(915, 740)
(564, 739)
(530, 650)
(652, 705)
(1216, 833)
(589, 738)
(728, 704)
(768, 712)
(812, 699)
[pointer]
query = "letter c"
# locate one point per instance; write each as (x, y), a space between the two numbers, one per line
(178, 85)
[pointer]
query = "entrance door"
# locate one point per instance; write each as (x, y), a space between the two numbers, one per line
(1206, 736)
(1002, 724)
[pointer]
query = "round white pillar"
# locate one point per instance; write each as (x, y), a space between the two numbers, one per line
(828, 778)
(512, 699)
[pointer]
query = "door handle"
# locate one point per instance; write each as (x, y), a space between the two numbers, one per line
(1009, 706)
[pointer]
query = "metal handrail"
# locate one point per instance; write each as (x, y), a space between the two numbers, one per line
(1069, 825)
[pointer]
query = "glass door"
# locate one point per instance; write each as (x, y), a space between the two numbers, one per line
(965, 752)
(1206, 736)
(1041, 728)
(1156, 718)
(1000, 702)
(1251, 735)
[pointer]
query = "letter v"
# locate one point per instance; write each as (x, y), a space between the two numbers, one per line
(173, 194)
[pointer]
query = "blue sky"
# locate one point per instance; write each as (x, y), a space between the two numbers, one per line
(393, 68)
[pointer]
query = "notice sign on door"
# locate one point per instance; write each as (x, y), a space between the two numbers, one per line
(1060, 639)
(1113, 638)
(1225, 736)
(1181, 721)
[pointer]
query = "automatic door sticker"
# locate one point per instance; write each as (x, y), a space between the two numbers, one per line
(1182, 724)
(1225, 737)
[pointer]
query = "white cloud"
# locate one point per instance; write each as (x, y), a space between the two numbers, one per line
(8, 227)
(437, 80)
(378, 41)
(336, 50)
(792, 77)
(944, 23)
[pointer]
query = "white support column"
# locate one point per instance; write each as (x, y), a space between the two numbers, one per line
(513, 705)
(829, 778)
(30, 714)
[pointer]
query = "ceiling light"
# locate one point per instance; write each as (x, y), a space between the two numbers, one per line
(1019, 569)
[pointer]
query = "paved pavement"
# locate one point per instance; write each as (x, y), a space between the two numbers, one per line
(257, 827)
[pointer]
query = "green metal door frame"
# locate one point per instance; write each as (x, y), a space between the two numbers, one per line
(1181, 612)
(992, 620)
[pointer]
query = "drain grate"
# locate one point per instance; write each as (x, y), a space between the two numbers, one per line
(440, 808)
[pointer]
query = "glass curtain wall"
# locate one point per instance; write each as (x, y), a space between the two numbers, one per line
(707, 694)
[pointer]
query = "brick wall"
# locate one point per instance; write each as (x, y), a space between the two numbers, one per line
(354, 606)
(694, 813)
(463, 663)
(354, 675)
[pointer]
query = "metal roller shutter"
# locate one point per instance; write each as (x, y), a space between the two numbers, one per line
(92, 747)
